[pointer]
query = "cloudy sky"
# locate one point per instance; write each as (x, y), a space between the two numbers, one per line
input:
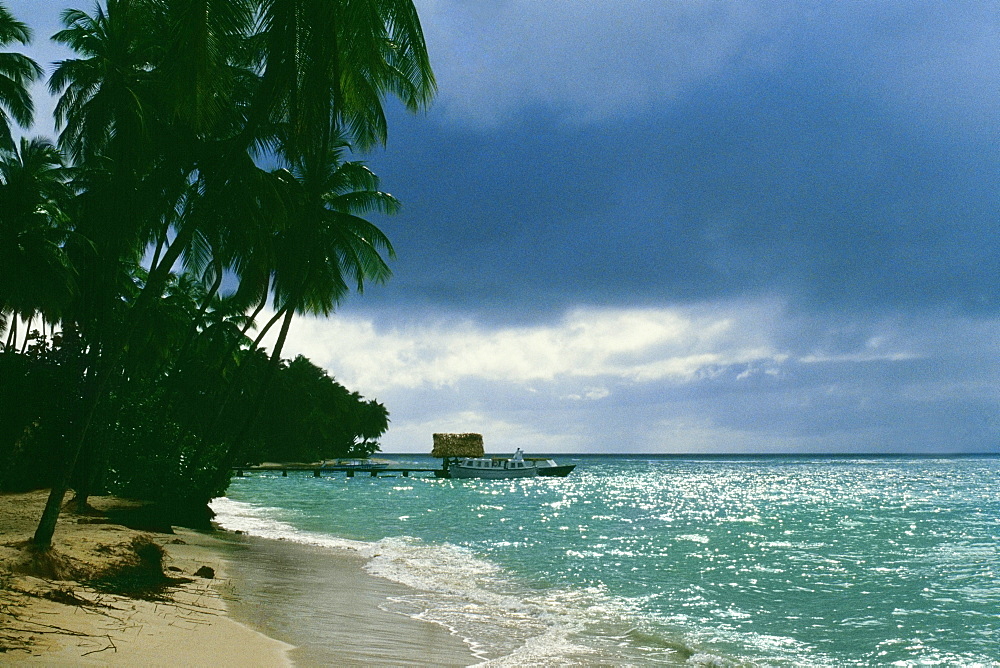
(687, 226)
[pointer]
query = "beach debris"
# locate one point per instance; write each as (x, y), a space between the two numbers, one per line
(205, 572)
(66, 596)
(458, 445)
(138, 572)
(49, 564)
(93, 520)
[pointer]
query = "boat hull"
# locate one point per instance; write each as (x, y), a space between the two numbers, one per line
(557, 471)
(456, 471)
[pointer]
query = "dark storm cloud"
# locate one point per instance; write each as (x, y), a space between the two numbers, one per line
(773, 187)
(834, 156)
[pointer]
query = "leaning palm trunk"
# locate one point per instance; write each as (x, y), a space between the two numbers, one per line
(50, 515)
(264, 330)
(252, 320)
(12, 332)
(238, 444)
(241, 372)
(99, 388)
(192, 331)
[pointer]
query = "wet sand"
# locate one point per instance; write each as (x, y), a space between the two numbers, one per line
(321, 601)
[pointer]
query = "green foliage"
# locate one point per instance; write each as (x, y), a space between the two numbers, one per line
(40, 399)
(309, 416)
(152, 457)
(158, 441)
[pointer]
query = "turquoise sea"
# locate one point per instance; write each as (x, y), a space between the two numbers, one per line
(643, 560)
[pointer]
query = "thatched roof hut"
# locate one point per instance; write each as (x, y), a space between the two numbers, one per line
(458, 445)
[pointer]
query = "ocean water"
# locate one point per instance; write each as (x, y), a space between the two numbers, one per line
(644, 560)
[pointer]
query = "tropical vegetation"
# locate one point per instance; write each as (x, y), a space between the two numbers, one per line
(201, 178)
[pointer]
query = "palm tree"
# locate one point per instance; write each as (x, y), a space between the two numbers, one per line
(328, 64)
(36, 277)
(167, 111)
(327, 246)
(207, 64)
(324, 249)
(17, 71)
(107, 111)
(106, 94)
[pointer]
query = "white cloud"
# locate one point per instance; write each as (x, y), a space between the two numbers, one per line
(859, 357)
(723, 377)
(590, 394)
(587, 345)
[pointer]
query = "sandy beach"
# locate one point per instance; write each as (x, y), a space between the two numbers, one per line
(210, 613)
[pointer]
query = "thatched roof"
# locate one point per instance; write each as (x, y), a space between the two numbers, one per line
(458, 445)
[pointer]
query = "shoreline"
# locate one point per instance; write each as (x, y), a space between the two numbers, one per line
(331, 611)
(218, 610)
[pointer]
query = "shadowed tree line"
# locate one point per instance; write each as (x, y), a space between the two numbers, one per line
(200, 176)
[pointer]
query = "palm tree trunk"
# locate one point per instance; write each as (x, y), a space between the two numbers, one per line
(193, 329)
(243, 332)
(213, 291)
(12, 332)
(91, 468)
(159, 272)
(100, 369)
(42, 539)
(156, 280)
(263, 332)
(238, 444)
(253, 316)
(251, 321)
(27, 333)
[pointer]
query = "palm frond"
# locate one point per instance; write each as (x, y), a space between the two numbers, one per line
(12, 30)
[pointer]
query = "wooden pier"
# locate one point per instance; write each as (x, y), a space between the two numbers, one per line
(318, 471)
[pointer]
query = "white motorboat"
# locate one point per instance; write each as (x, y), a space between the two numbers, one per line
(490, 467)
